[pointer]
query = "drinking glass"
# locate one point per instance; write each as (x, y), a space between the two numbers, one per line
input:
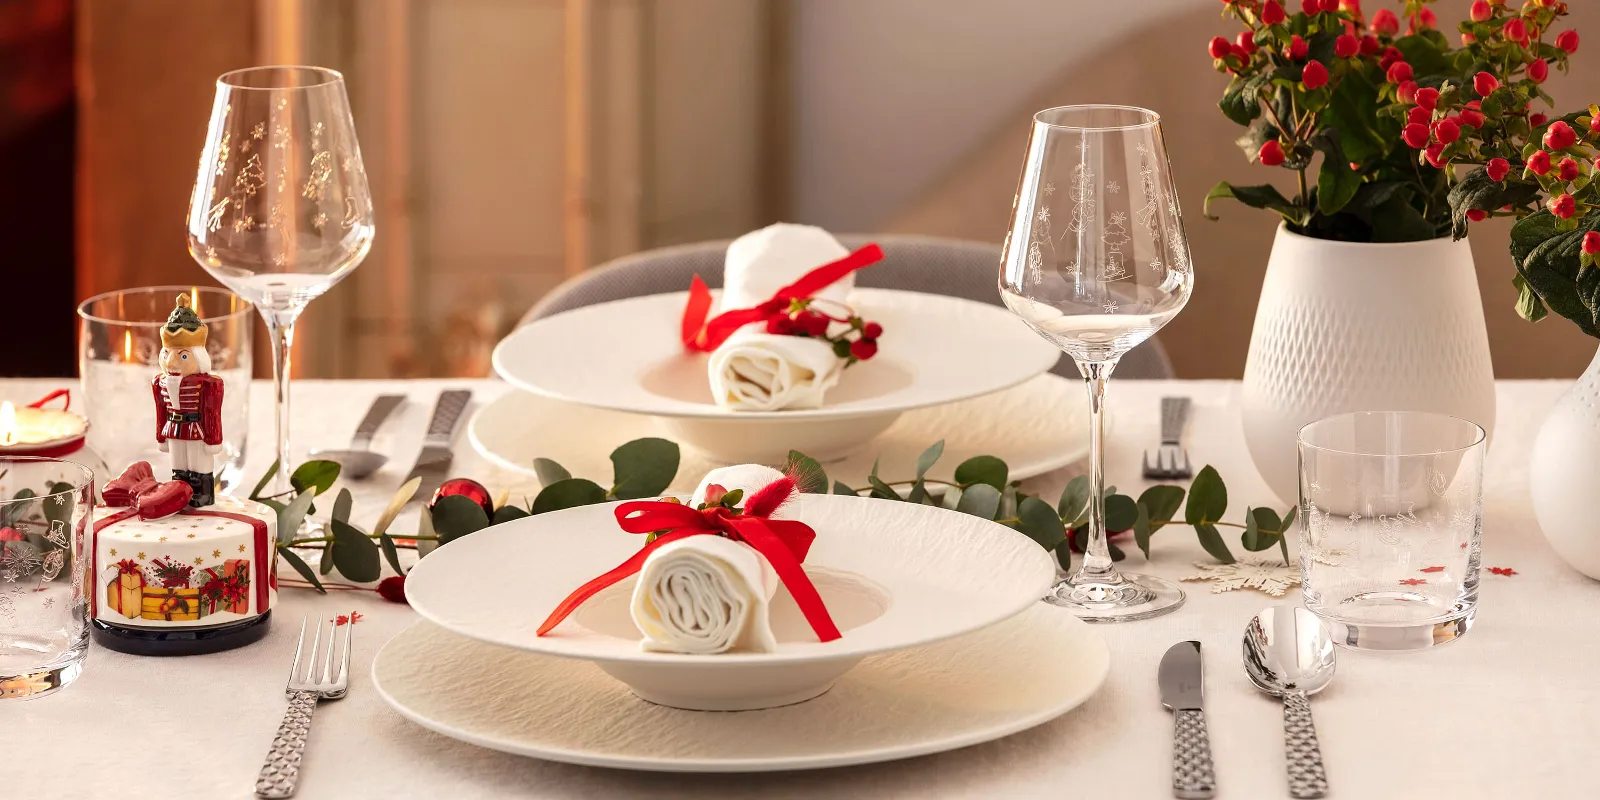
(281, 210)
(1096, 262)
(119, 339)
(45, 506)
(1391, 522)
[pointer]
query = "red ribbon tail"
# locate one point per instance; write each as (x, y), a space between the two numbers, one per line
(66, 405)
(702, 336)
(593, 587)
(756, 534)
(724, 325)
(265, 551)
(695, 313)
(824, 276)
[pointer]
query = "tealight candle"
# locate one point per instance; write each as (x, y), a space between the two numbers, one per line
(34, 431)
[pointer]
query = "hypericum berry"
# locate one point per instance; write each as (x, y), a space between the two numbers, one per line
(1298, 47)
(1535, 120)
(1560, 135)
(1591, 242)
(1594, 124)
(1407, 92)
(1497, 169)
(1385, 23)
(1218, 47)
(393, 588)
(1483, 83)
(1272, 13)
(1346, 46)
(1567, 170)
(1447, 130)
(1419, 115)
(1563, 206)
(1428, 97)
(1315, 76)
(1473, 117)
(1515, 30)
(1415, 134)
(1481, 12)
(1328, 6)
(1477, 214)
(1435, 154)
(1399, 72)
(1568, 41)
(1246, 40)
(1370, 46)
(1391, 55)
(1538, 70)
(1539, 162)
(864, 349)
(1271, 153)
(871, 330)
(1424, 20)
(1310, 6)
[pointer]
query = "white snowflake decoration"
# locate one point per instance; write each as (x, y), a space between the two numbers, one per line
(1267, 576)
(1113, 187)
(1049, 189)
(21, 560)
(1110, 307)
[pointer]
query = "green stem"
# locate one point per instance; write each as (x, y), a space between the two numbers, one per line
(326, 539)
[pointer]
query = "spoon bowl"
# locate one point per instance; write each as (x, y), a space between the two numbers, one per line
(1288, 650)
(353, 464)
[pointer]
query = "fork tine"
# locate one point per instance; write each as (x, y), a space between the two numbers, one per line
(1166, 462)
(299, 642)
(1149, 468)
(311, 661)
(344, 660)
(1187, 467)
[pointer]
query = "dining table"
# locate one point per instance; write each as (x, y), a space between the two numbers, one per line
(1510, 710)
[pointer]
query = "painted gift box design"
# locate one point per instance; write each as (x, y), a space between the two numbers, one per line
(125, 592)
(226, 588)
(173, 592)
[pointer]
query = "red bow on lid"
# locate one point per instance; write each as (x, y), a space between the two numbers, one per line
(137, 488)
(700, 335)
(784, 543)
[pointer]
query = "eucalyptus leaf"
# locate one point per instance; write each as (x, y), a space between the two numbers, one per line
(982, 469)
(840, 488)
(1121, 512)
(397, 503)
(301, 567)
(390, 553)
(319, 474)
(1162, 501)
(548, 471)
(325, 563)
(1253, 538)
(507, 513)
(427, 537)
(570, 493)
(1074, 499)
(1141, 530)
(292, 515)
(929, 457)
(1208, 498)
(641, 468)
(918, 493)
(455, 516)
(979, 500)
(1038, 520)
(1064, 556)
(951, 498)
(881, 490)
(1212, 542)
(341, 505)
(809, 476)
(276, 506)
(255, 494)
(58, 512)
(355, 556)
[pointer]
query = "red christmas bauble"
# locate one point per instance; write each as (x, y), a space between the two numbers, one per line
(468, 488)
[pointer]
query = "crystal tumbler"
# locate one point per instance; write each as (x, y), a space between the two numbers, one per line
(45, 506)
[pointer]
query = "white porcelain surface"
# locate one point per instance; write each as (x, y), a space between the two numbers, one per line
(1345, 326)
(1037, 427)
(893, 575)
(1564, 471)
(625, 356)
(991, 683)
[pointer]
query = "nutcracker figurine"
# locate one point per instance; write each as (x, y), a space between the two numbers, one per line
(188, 403)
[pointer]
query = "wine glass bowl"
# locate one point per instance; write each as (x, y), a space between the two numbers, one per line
(1096, 262)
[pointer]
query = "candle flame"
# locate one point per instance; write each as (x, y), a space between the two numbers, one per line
(194, 300)
(8, 423)
(127, 346)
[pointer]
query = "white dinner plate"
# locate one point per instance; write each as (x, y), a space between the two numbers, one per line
(893, 575)
(975, 688)
(1037, 427)
(625, 356)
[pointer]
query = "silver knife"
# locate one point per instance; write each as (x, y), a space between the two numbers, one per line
(435, 457)
(1182, 690)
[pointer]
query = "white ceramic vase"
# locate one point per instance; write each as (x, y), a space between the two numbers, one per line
(1347, 326)
(1564, 470)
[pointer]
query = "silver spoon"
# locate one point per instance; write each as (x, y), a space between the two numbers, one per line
(1289, 654)
(359, 460)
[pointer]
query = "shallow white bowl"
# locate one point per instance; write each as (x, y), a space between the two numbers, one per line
(625, 356)
(893, 575)
(1037, 427)
(975, 688)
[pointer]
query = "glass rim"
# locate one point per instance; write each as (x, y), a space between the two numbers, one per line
(328, 77)
(1479, 435)
(88, 475)
(1152, 119)
(83, 307)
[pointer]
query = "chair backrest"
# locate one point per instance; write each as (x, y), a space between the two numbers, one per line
(950, 267)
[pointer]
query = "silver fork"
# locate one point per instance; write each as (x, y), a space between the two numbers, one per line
(1171, 462)
(320, 681)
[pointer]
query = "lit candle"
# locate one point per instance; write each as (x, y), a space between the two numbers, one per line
(39, 431)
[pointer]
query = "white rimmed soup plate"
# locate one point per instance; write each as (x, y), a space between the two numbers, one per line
(625, 356)
(893, 575)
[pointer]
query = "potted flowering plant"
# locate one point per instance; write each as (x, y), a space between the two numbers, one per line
(1370, 299)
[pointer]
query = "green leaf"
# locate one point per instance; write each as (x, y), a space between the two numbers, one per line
(929, 457)
(1398, 221)
(341, 505)
(1074, 499)
(325, 564)
(1121, 512)
(918, 493)
(809, 475)
(354, 554)
(1141, 530)
(292, 515)
(301, 567)
(980, 500)
(320, 474)
(1337, 183)
(881, 490)
(840, 488)
(255, 494)
(1208, 498)
(58, 512)
(507, 513)
(1263, 196)
(1038, 520)
(276, 506)
(641, 468)
(426, 545)
(1259, 133)
(983, 469)
(456, 516)
(1240, 101)
(570, 493)
(1476, 191)
(1212, 542)
(397, 503)
(1553, 270)
(1288, 525)
(548, 471)
(390, 553)
(1064, 556)
(1162, 501)
(1009, 497)
(1352, 111)
(1255, 539)
(952, 497)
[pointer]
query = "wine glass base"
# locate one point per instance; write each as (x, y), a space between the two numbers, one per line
(1135, 597)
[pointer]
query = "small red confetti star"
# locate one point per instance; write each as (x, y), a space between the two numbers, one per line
(351, 619)
(1413, 582)
(1506, 571)
(1431, 569)
(1463, 545)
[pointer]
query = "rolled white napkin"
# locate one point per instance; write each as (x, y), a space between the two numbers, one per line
(758, 371)
(708, 594)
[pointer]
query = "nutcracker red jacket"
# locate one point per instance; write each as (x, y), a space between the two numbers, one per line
(197, 415)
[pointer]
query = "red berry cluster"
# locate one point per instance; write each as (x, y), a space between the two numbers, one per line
(858, 341)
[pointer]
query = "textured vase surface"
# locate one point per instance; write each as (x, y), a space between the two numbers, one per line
(1346, 326)
(1564, 474)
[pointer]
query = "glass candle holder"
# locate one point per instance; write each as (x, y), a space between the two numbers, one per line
(1391, 524)
(119, 341)
(45, 505)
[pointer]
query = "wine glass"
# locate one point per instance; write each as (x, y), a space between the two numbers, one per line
(281, 210)
(1096, 262)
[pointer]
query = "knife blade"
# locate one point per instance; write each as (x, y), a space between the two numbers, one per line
(435, 457)
(1182, 679)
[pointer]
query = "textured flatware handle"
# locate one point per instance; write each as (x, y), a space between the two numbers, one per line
(281, 772)
(1300, 749)
(442, 428)
(1174, 415)
(380, 411)
(1192, 776)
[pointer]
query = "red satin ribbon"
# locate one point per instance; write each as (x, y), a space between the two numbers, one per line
(65, 448)
(702, 336)
(263, 550)
(783, 542)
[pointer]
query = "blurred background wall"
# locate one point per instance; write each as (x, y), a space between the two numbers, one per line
(513, 143)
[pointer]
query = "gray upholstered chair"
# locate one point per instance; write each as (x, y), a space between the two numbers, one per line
(917, 263)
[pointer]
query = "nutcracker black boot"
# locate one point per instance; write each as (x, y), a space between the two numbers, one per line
(205, 489)
(191, 478)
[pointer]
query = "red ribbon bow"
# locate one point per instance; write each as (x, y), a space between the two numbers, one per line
(783, 542)
(127, 566)
(702, 336)
(137, 488)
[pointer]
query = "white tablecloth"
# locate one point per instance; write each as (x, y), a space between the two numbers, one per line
(1510, 711)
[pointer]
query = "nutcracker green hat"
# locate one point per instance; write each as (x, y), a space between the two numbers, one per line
(183, 328)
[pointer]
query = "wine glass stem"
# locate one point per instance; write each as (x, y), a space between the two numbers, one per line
(1097, 566)
(280, 325)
